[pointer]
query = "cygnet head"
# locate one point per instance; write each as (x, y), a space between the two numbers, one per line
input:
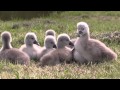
(82, 29)
(63, 40)
(30, 39)
(50, 42)
(6, 37)
(6, 40)
(50, 32)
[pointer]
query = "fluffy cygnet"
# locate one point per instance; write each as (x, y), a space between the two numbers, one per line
(61, 54)
(30, 46)
(49, 44)
(10, 54)
(90, 50)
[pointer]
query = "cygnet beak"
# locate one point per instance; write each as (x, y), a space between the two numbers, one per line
(35, 42)
(70, 43)
(54, 46)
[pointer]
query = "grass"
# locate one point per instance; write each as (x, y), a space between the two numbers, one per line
(99, 21)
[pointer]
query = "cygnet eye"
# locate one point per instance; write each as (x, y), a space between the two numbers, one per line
(82, 28)
(51, 42)
(67, 40)
(32, 38)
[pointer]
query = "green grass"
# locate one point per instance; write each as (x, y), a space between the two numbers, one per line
(65, 22)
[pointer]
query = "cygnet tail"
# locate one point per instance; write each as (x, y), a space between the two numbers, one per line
(111, 55)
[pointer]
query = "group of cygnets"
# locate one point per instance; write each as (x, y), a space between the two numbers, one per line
(81, 50)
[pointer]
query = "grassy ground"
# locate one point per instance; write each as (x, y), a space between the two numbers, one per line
(65, 22)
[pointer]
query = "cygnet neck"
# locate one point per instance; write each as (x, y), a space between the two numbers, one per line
(6, 45)
(59, 45)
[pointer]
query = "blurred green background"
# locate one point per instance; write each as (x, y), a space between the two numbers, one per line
(8, 15)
